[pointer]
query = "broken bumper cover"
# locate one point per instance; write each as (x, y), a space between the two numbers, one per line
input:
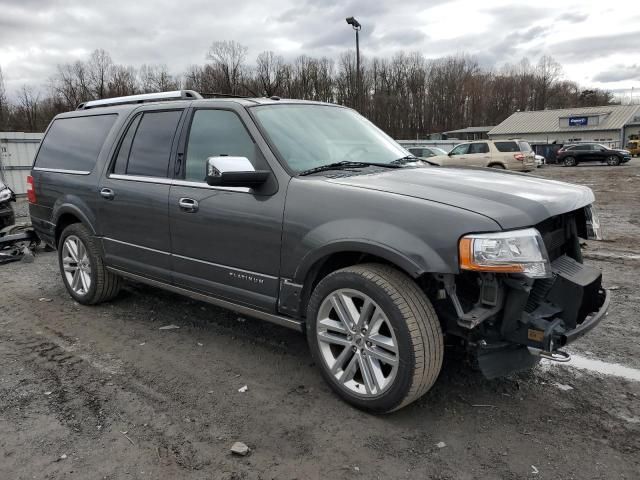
(590, 322)
(541, 316)
(548, 314)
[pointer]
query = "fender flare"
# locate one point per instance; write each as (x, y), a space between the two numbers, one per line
(404, 262)
(72, 208)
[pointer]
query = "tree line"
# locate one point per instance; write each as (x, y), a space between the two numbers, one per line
(407, 95)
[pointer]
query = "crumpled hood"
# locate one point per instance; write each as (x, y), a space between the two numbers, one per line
(513, 200)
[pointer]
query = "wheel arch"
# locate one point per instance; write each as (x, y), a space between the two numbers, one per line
(66, 214)
(497, 162)
(332, 257)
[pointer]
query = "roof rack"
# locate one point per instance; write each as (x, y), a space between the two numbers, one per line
(223, 95)
(143, 98)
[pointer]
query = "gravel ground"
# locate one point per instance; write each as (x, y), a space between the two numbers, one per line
(101, 392)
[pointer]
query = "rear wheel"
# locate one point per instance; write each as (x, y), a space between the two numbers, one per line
(613, 160)
(375, 336)
(83, 271)
(569, 162)
(499, 166)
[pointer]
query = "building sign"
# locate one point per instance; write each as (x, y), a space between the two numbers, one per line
(578, 121)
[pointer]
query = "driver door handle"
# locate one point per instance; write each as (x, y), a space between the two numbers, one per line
(188, 205)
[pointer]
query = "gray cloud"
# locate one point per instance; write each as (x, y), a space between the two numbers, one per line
(574, 17)
(619, 73)
(592, 47)
(36, 35)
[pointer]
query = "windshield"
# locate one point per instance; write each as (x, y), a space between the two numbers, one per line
(310, 136)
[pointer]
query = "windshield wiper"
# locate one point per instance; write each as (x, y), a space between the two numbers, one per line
(346, 164)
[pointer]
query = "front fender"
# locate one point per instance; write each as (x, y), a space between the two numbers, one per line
(383, 240)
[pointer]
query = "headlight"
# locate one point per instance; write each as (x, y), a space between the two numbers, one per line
(594, 230)
(5, 194)
(518, 251)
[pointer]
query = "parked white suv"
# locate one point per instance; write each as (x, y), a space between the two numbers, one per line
(506, 154)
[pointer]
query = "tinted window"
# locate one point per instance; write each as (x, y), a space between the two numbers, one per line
(582, 147)
(151, 145)
(460, 149)
(478, 148)
(418, 152)
(74, 143)
(125, 147)
(507, 146)
(214, 133)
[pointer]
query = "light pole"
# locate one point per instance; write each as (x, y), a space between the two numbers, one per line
(356, 26)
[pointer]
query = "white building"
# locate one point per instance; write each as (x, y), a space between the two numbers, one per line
(17, 151)
(612, 125)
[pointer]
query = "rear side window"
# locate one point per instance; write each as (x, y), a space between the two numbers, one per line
(74, 143)
(507, 146)
(146, 147)
(524, 146)
(478, 148)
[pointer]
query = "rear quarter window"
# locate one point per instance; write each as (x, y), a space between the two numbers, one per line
(74, 143)
(524, 146)
(507, 146)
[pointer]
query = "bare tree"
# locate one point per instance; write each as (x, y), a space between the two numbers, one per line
(123, 81)
(4, 106)
(548, 71)
(99, 69)
(269, 73)
(28, 106)
(228, 59)
(156, 78)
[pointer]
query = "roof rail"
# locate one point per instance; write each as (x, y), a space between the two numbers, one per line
(145, 97)
(223, 95)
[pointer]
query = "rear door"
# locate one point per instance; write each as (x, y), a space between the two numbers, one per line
(227, 244)
(478, 155)
(134, 193)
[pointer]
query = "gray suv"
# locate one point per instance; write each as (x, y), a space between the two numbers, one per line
(306, 215)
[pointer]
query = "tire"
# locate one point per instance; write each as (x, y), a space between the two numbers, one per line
(613, 160)
(569, 162)
(401, 319)
(102, 284)
(497, 165)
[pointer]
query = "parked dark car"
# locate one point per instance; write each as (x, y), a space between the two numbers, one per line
(307, 215)
(572, 155)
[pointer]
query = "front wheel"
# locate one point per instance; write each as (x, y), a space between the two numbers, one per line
(375, 336)
(83, 271)
(613, 160)
(570, 162)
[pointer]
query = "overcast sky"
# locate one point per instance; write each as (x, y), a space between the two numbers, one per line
(597, 42)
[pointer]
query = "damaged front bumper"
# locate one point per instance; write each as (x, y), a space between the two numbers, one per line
(517, 320)
(548, 314)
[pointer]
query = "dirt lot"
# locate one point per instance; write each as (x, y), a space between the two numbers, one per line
(101, 392)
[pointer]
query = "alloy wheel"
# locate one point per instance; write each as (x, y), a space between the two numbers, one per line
(357, 342)
(76, 265)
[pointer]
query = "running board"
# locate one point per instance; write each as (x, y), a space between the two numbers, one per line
(240, 309)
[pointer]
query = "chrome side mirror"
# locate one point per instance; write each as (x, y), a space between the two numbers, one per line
(234, 172)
